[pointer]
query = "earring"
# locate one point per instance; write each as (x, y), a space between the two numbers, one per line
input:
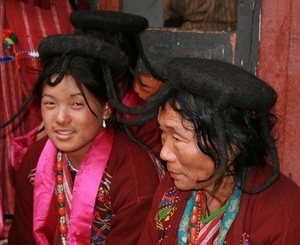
(103, 123)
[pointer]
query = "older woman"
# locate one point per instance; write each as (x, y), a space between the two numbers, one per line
(224, 185)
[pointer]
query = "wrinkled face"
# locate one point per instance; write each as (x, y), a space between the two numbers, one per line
(68, 121)
(185, 162)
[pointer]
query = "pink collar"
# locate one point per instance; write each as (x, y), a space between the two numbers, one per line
(85, 191)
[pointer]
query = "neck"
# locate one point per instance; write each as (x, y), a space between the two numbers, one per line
(217, 198)
(76, 159)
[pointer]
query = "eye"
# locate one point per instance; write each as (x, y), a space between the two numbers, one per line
(163, 136)
(175, 138)
(76, 104)
(48, 104)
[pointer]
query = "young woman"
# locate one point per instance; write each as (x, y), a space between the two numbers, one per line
(120, 29)
(123, 30)
(91, 184)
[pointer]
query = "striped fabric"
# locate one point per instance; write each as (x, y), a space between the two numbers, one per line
(213, 15)
(209, 231)
(30, 24)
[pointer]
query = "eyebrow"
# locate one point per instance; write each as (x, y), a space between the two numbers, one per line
(47, 95)
(72, 95)
(170, 127)
(175, 129)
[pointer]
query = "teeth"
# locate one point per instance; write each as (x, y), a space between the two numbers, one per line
(65, 132)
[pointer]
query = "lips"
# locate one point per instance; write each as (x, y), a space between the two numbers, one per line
(175, 175)
(64, 132)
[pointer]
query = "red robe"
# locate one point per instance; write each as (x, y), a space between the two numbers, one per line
(267, 218)
(134, 179)
(148, 133)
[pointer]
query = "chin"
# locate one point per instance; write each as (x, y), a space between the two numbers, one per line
(187, 185)
(182, 186)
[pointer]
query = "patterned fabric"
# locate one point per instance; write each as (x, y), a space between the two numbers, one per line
(244, 240)
(215, 230)
(184, 223)
(260, 220)
(103, 211)
(31, 176)
(232, 209)
(161, 170)
(230, 214)
(166, 209)
(101, 227)
(209, 231)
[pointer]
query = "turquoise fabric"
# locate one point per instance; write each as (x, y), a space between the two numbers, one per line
(233, 205)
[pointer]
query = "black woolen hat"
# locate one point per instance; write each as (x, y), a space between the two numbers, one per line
(75, 45)
(115, 22)
(108, 20)
(226, 85)
(222, 83)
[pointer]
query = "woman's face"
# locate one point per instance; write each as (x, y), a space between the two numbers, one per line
(185, 162)
(68, 121)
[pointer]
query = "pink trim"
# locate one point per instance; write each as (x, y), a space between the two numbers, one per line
(19, 146)
(85, 191)
(130, 99)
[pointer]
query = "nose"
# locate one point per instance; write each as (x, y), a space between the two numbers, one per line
(63, 117)
(166, 152)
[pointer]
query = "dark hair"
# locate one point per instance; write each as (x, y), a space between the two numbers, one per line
(87, 72)
(100, 61)
(125, 41)
(246, 143)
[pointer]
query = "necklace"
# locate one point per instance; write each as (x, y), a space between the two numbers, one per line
(195, 218)
(199, 217)
(63, 229)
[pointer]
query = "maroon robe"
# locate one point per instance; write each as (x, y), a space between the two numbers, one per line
(267, 218)
(134, 180)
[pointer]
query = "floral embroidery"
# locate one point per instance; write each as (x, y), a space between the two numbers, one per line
(31, 176)
(244, 240)
(166, 209)
(103, 212)
(161, 170)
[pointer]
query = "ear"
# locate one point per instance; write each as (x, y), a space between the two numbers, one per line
(233, 152)
(107, 110)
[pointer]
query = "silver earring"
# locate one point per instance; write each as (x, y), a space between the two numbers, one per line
(103, 123)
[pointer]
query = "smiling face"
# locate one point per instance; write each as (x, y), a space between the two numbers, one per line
(68, 121)
(185, 162)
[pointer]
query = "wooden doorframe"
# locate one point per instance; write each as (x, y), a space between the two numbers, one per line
(239, 47)
(114, 5)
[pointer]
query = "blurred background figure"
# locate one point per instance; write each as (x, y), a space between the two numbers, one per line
(207, 15)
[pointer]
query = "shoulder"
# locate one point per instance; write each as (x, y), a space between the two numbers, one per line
(127, 154)
(124, 145)
(129, 158)
(271, 215)
(133, 172)
(282, 187)
(32, 155)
